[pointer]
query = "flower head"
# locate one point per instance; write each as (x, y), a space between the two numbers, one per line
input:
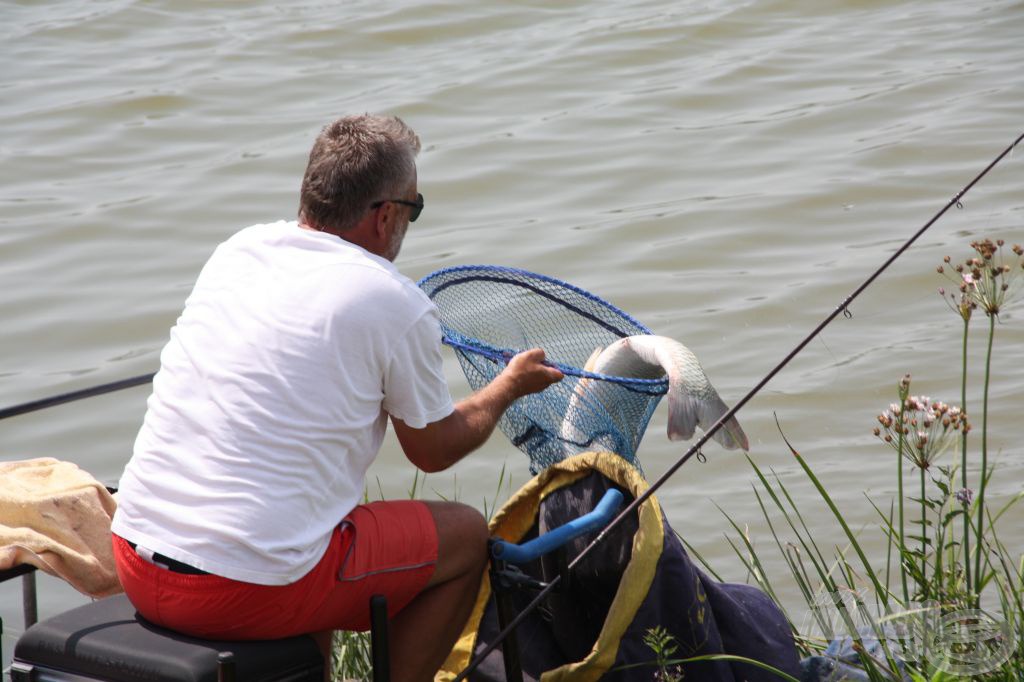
(964, 496)
(920, 428)
(984, 280)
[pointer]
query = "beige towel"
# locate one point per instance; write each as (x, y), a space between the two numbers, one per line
(57, 517)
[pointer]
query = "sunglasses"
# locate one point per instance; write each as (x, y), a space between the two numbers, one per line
(417, 206)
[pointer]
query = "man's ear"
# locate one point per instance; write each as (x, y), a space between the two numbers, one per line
(382, 220)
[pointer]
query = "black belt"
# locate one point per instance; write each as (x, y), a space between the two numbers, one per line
(173, 565)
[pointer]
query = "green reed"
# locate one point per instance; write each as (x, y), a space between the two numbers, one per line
(948, 555)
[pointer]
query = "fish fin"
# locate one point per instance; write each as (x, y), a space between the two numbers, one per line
(688, 411)
(592, 360)
(730, 436)
(683, 415)
(737, 436)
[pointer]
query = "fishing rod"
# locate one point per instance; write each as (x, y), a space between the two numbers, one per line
(842, 308)
(71, 396)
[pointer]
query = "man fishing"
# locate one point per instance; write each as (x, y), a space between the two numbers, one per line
(239, 512)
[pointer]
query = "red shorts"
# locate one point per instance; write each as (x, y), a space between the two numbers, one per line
(387, 548)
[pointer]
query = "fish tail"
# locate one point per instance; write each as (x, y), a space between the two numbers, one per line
(689, 412)
(731, 436)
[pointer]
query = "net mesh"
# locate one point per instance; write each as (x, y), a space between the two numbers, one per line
(489, 313)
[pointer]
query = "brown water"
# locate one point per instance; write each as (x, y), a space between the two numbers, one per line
(727, 172)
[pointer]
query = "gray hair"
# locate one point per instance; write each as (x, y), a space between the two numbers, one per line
(356, 161)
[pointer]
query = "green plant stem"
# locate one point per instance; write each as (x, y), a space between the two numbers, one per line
(868, 570)
(963, 459)
(924, 538)
(939, 544)
(899, 481)
(984, 459)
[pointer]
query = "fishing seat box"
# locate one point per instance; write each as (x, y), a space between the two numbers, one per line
(108, 640)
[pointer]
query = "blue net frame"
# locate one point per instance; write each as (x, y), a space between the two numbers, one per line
(489, 313)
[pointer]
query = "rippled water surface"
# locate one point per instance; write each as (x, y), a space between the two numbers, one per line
(727, 172)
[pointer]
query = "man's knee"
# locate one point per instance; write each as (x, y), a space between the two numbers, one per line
(461, 538)
(455, 518)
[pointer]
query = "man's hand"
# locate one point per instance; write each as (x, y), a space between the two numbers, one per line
(528, 373)
(443, 443)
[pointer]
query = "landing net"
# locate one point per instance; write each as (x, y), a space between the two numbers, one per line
(490, 313)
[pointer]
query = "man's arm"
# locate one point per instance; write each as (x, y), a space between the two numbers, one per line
(443, 443)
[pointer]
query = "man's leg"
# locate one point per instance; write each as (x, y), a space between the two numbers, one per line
(325, 641)
(424, 632)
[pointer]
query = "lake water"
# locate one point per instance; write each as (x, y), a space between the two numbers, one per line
(725, 171)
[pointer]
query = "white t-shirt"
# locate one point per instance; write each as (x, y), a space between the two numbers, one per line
(272, 400)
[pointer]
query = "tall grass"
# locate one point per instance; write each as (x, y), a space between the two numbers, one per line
(946, 601)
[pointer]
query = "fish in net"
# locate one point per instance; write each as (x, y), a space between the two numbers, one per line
(490, 313)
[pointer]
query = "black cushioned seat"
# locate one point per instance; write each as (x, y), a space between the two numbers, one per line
(108, 640)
